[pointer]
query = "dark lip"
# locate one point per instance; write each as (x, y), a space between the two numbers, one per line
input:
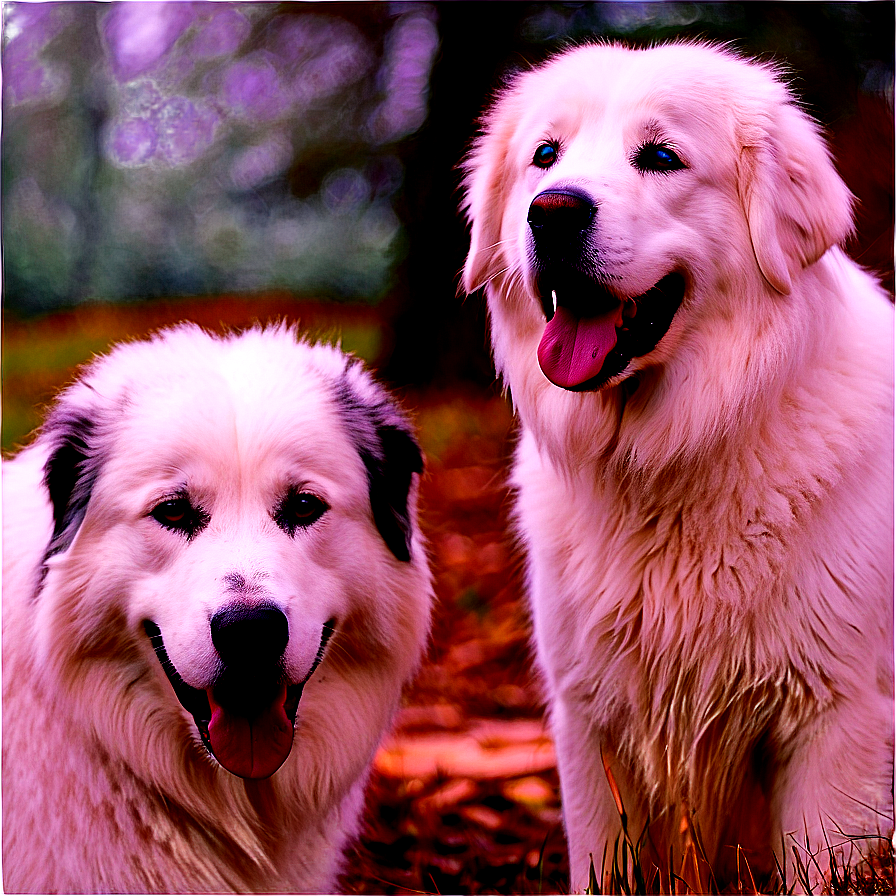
(196, 702)
(638, 336)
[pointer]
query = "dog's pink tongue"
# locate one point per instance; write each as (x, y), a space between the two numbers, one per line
(573, 349)
(251, 748)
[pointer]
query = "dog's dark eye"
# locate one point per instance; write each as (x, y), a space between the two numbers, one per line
(179, 515)
(656, 157)
(545, 155)
(298, 510)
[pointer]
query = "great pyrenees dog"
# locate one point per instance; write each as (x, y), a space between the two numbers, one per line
(214, 589)
(703, 478)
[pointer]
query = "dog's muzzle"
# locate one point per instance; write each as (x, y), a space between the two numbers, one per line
(593, 330)
(247, 717)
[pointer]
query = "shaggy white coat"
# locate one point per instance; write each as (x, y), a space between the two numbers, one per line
(106, 784)
(710, 536)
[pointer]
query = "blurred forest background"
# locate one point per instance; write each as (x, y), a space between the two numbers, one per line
(231, 162)
(287, 152)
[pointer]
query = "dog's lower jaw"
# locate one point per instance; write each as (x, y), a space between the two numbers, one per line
(250, 742)
(577, 339)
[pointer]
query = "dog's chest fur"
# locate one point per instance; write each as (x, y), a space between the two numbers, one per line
(629, 629)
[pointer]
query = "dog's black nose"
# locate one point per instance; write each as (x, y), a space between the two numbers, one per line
(560, 213)
(250, 634)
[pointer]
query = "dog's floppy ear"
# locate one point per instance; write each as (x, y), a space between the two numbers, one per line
(69, 473)
(797, 206)
(484, 186)
(389, 450)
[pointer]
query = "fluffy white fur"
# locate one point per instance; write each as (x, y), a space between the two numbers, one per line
(709, 535)
(106, 784)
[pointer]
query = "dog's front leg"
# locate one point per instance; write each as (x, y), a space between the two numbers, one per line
(834, 798)
(591, 814)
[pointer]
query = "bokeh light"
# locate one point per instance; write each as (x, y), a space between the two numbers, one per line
(172, 133)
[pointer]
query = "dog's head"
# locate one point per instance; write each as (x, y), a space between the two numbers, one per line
(612, 187)
(243, 509)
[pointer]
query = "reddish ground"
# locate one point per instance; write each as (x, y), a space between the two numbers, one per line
(464, 795)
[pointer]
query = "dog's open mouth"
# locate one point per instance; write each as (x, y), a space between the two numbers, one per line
(582, 348)
(247, 718)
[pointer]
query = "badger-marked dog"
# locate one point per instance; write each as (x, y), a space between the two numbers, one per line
(214, 590)
(704, 383)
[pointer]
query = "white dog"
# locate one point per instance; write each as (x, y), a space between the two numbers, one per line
(704, 473)
(210, 551)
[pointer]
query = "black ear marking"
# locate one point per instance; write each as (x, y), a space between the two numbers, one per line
(390, 482)
(69, 474)
(390, 453)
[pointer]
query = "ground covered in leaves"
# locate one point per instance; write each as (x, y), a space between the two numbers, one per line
(464, 794)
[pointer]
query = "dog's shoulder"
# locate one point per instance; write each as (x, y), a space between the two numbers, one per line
(27, 522)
